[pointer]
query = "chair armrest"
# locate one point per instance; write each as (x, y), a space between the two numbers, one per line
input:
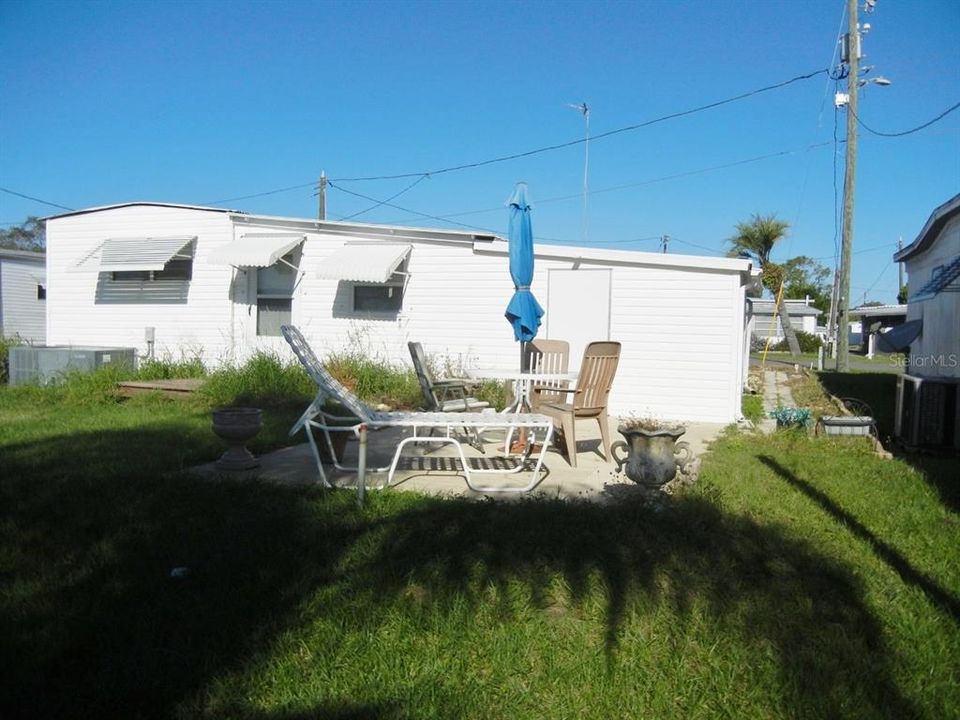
(450, 382)
(551, 389)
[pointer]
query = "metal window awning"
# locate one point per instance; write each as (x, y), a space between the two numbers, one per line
(255, 249)
(940, 283)
(364, 262)
(131, 254)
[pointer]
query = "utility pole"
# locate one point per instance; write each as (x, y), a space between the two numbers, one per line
(832, 321)
(664, 239)
(899, 268)
(322, 210)
(852, 59)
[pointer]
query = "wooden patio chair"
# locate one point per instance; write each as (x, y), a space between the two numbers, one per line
(548, 357)
(589, 397)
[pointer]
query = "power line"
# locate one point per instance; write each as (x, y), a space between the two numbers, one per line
(663, 178)
(912, 130)
(262, 194)
(632, 240)
(537, 151)
(607, 134)
(28, 197)
(384, 202)
(882, 272)
(406, 210)
(858, 252)
(700, 247)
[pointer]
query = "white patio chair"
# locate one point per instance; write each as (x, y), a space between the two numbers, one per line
(539, 428)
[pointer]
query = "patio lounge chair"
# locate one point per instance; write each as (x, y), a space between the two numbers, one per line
(549, 357)
(315, 417)
(599, 365)
(441, 395)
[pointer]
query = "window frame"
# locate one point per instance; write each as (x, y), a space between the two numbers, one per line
(291, 261)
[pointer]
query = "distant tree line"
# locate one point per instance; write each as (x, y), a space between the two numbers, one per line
(30, 235)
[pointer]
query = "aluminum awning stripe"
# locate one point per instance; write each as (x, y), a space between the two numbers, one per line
(364, 262)
(255, 250)
(940, 283)
(127, 254)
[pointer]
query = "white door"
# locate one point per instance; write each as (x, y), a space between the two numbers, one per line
(578, 308)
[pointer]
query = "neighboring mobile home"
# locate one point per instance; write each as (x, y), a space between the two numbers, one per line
(928, 397)
(766, 321)
(219, 284)
(23, 292)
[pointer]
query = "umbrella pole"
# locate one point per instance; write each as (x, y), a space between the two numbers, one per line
(522, 402)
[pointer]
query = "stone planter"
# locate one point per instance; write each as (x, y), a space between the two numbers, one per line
(653, 457)
(855, 425)
(237, 426)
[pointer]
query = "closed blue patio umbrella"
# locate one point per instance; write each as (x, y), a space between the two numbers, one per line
(523, 312)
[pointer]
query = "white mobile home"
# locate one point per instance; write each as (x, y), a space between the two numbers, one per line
(928, 393)
(933, 305)
(219, 283)
(766, 322)
(23, 292)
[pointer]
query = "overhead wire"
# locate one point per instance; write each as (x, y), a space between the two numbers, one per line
(335, 186)
(911, 130)
(384, 202)
(262, 194)
(625, 186)
(882, 272)
(528, 153)
(801, 196)
(859, 252)
(35, 199)
(601, 136)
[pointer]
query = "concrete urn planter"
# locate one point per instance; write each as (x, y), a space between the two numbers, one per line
(857, 425)
(237, 426)
(653, 457)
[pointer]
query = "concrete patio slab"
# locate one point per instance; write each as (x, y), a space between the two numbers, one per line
(435, 469)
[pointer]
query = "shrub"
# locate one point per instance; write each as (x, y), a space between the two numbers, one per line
(376, 381)
(99, 386)
(809, 343)
(5, 344)
(263, 380)
(757, 343)
(167, 369)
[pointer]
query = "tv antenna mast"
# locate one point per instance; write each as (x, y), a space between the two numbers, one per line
(585, 110)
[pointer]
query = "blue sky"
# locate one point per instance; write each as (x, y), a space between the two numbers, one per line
(198, 102)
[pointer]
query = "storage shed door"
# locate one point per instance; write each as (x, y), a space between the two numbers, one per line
(578, 308)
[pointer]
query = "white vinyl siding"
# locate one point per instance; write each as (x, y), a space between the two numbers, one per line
(190, 319)
(681, 325)
(936, 352)
(22, 312)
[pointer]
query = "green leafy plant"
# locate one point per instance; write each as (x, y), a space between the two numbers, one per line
(790, 416)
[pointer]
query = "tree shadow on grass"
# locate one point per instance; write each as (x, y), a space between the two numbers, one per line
(909, 574)
(768, 588)
(95, 626)
(879, 390)
(93, 623)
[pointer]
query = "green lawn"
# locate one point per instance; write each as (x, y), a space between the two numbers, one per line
(800, 578)
(880, 362)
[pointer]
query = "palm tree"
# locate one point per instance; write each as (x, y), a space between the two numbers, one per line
(755, 239)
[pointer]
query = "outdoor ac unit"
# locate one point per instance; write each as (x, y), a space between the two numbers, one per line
(45, 364)
(928, 412)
